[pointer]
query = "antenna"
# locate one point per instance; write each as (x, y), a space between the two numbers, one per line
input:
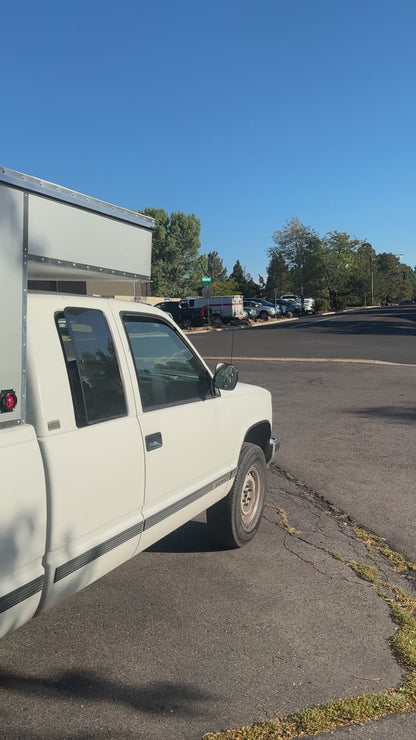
(232, 341)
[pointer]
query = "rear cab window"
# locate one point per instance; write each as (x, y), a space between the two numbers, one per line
(92, 366)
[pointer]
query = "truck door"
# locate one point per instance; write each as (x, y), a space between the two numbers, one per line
(186, 452)
(91, 445)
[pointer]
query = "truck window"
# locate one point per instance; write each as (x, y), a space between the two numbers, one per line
(168, 373)
(91, 363)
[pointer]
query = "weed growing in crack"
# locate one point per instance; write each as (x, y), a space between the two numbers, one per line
(284, 520)
(365, 707)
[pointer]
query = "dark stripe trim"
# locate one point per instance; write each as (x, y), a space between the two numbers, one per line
(178, 505)
(21, 594)
(95, 552)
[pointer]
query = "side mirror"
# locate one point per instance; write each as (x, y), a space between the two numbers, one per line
(225, 377)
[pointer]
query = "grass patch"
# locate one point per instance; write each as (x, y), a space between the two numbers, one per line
(284, 520)
(372, 542)
(366, 707)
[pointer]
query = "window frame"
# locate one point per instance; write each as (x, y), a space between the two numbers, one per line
(145, 317)
(75, 382)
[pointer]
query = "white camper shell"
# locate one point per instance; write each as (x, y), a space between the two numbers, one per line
(48, 232)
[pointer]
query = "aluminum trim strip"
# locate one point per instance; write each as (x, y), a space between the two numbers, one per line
(65, 195)
(178, 505)
(87, 268)
(95, 552)
(21, 594)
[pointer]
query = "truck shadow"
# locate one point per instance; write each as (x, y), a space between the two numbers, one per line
(193, 536)
(394, 414)
(159, 697)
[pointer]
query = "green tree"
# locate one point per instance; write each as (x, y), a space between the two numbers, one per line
(238, 275)
(278, 280)
(338, 258)
(246, 285)
(301, 248)
(216, 269)
(363, 279)
(227, 287)
(397, 280)
(177, 266)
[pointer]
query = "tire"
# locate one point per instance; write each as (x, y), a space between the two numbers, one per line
(235, 519)
(216, 320)
(289, 315)
(186, 324)
(264, 316)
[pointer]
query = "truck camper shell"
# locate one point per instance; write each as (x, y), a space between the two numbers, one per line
(48, 232)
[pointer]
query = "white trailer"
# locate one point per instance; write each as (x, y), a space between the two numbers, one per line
(222, 308)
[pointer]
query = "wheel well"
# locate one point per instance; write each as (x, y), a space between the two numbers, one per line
(259, 435)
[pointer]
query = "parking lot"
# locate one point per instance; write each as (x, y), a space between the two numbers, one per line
(188, 638)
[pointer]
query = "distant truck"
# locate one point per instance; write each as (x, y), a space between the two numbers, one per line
(113, 429)
(185, 316)
(222, 309)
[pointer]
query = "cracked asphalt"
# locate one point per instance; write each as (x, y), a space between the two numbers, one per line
(188, 638)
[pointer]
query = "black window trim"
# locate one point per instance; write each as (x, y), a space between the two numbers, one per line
(88, 423)
(159, 320)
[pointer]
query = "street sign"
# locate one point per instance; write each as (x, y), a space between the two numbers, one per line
(206, 280)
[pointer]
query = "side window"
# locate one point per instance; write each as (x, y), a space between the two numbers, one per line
(167, 372)
(91, 363)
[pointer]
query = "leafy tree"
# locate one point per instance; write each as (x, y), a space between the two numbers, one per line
(177, 266)
(338, 257)
(363, 278)
(216, 269)
(227, 287)
(397, 280)
(300, 246)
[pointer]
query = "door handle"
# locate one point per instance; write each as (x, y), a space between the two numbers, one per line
(153, 441)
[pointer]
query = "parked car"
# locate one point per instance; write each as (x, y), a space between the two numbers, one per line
(265, 309)
(184, 316)
(308, 303)
(250, 312)
(287, 309)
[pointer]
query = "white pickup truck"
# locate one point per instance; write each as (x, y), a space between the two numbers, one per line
(113, 430)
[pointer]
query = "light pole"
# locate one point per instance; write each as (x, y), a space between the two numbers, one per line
(372, 280)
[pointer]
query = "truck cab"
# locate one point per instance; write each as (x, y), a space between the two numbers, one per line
(100, 444)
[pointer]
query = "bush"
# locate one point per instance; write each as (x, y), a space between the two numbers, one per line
(322, 304)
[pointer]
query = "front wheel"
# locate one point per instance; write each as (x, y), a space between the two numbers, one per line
(235, 519)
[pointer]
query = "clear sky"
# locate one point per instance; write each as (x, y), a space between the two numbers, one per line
(244, 112)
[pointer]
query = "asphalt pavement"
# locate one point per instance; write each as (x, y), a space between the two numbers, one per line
(377, 334)
(188, 638)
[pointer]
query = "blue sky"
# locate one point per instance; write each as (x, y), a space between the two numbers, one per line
(245, 112)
